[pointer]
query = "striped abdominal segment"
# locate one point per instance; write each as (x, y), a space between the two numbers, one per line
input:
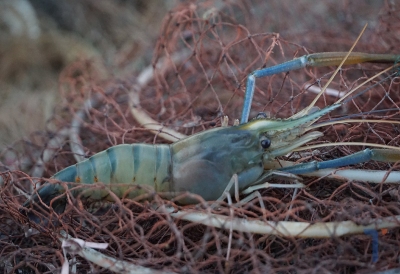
(121, 167)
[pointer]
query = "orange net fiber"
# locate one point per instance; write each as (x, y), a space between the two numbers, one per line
(201, 59)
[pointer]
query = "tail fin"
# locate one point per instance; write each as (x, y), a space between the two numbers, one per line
(35, 209)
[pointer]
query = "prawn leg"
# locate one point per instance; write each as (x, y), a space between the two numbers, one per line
(382, 155)
(310, 60)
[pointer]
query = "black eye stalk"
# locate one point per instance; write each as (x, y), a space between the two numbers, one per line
(266, 143)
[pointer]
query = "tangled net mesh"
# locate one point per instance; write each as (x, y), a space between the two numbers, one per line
(205, 55)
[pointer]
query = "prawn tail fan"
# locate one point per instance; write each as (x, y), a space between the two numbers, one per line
(38, 207)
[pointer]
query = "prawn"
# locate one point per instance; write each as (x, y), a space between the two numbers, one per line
(204, 163)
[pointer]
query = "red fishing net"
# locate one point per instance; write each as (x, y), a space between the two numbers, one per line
(202, 57)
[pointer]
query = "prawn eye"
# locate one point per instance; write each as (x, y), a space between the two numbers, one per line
(266, 143)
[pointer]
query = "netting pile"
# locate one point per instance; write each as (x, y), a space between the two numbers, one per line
(200, 63)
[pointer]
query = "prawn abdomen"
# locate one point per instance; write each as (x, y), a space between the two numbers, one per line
(127, 170)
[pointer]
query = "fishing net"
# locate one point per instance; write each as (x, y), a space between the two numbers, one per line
(202, 57)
